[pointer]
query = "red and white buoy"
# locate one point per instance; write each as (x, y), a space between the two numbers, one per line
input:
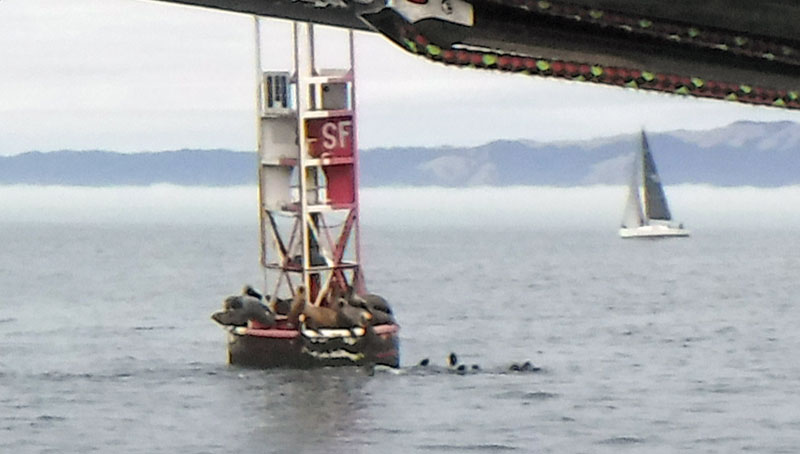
(309, 211)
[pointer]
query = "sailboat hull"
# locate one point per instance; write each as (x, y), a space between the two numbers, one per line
(653, 231)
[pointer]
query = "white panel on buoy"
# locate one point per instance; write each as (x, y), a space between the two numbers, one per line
(278, 139)
(335, 96)
(276, 187)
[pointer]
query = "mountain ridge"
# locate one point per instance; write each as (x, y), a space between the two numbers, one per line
(746, 153)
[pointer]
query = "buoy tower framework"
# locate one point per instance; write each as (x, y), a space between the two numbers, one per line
(308, 173)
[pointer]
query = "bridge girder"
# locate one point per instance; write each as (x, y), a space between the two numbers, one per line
(736, 50)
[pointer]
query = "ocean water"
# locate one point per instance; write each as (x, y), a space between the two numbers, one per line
(684, 345)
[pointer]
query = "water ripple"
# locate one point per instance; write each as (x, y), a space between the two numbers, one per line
(154, 328)
(522, 395)
(621, 441)
(46, 418)
(478, 448)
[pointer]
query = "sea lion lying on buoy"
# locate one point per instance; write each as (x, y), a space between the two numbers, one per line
(315, 317)
(376, 305)
(350, 316)
(237, 310)
(282, 306)
(339, 315)
(379, 308)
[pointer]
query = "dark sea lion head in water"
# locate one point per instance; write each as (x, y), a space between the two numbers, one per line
(452, 359)
(530, 367)
(527, 366)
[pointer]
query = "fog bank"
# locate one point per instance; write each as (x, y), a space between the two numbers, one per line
(530, 207)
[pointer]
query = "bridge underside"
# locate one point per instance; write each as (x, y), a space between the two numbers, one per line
(737, 50)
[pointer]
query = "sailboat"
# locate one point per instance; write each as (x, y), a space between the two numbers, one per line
(646, 213)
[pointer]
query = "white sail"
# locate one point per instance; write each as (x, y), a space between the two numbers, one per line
(647, 215)
(633, 217)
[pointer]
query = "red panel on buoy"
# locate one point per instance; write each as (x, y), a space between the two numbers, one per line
(341, 184)
(330, 137)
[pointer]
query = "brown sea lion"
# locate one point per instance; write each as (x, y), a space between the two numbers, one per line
(315, 317)
(297, 307)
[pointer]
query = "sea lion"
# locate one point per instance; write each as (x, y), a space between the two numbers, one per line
(376, 305)
(348, 316)
(282, 306)
(452, 359)
(250, 291)
(454, 367)
(297, 307)
(315, 317)
(379, 308)
(237, 310)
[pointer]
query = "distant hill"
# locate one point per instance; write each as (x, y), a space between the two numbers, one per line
(105, 168)
(743, 153)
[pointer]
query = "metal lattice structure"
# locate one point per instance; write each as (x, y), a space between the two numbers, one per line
(308, 175)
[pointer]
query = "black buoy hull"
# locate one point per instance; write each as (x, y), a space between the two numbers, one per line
(283, 348)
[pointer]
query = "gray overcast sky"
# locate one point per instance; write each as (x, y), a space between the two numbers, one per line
(135, 75)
